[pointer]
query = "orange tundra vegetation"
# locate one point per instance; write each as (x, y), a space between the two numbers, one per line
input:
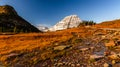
(109, 24)
(31, 43)
(31, 48)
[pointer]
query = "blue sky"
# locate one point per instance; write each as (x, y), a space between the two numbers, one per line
(49, 12)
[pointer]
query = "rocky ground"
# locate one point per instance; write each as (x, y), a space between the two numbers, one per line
(98, 49)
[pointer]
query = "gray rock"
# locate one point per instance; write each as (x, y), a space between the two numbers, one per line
(12, 55)
(62, 47)
(96, 57)
(84, 49)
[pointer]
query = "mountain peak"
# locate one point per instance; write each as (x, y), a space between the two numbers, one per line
(10, 21)
(7, 9)
(68, 22)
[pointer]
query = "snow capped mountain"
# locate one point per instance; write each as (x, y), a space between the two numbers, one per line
(68, 22)
(42, 28)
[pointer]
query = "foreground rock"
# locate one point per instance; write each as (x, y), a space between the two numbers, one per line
(62, 47)
(96, 57)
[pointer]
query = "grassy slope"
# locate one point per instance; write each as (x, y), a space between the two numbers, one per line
(109, 24)
(32, 48)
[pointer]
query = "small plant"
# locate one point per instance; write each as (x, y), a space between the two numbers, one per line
(111, 48)
(77, 40)
(106, 40)
(91, 61)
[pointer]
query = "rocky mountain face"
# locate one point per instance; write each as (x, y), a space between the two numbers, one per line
(10, 21)
(68, 22)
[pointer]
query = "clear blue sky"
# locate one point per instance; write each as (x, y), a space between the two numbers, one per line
(49, 12)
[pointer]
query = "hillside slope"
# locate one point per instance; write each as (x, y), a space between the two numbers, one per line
(109, 24)
(76, 47)
(10, 21)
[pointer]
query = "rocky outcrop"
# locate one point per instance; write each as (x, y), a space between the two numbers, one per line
(68, 22)
(10, 21)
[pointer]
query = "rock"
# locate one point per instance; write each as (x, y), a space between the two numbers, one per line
(69, 64)
(12, 55)
(117, 42)
(106, 65)
(116, 65)
(91, 48)
(62, 47)
(68, 22)
(84, 49)
(103, 37)
(77, 65)
(110, 44)
(59, 64)
(113, 61)
(116, 33)
(72, 65)
(96, 57)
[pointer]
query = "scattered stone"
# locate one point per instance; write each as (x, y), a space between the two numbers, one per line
(113, 61)
(59, 64)
(62, 47)
(12, 55)
(69, 64)
(103, 37)
(116, 33)
(106, 65)
(84, 49)
(72, 65)
(56, 44)
(96, 57)
(77, 65)
(91, 48)
(117, 42)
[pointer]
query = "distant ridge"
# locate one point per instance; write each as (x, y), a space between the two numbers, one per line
(10, 21)
(109, 24)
